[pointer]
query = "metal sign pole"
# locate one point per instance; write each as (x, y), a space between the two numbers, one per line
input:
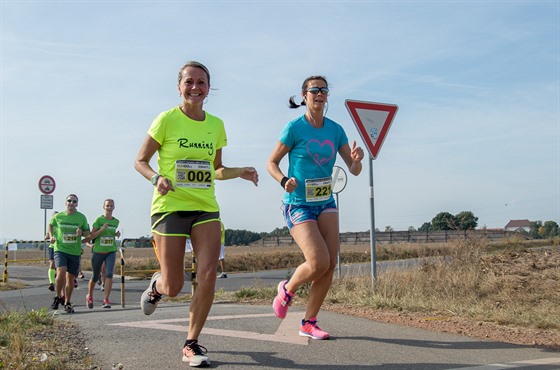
(372, 229)
(338, 256)
(338, 184)
(45, 236)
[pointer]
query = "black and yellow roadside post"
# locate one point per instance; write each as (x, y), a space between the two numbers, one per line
(5, 273)
(121, 250)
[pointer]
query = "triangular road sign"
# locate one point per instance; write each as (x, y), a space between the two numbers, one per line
(373, 121)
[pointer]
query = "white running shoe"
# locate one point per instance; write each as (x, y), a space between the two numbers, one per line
(195, 355)
(149, 300)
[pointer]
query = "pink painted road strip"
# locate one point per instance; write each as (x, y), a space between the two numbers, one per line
(289, 328)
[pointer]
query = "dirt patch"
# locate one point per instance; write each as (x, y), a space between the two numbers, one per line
(545, 338)
(519, 273)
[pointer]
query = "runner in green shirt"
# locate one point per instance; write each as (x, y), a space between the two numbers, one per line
(66, 230)
(104, 251)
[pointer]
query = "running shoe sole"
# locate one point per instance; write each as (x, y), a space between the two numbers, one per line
(280, 310)
(196, 360)
(309, 335)
(202, 363)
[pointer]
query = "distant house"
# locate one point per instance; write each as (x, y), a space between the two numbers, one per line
(518, 225)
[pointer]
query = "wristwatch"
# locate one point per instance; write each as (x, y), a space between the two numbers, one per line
(155, 178)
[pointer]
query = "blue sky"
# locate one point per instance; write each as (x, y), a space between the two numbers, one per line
(477, 84)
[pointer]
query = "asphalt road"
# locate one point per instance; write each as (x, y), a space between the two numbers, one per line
(251, 337)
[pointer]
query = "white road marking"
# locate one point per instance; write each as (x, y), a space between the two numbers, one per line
(287, 331)
(513, 365)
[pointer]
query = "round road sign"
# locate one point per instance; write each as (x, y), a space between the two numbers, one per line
(338, 179)
(47, 184)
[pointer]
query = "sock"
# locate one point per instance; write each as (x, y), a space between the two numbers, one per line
(312, 320)
(52, 273)
(188, 342)
(154, 290)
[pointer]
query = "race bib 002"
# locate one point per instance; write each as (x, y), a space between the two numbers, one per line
(193, 174)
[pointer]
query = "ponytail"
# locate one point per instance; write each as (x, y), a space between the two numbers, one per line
(292, 103)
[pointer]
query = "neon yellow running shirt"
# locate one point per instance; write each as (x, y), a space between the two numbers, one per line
(186, 157)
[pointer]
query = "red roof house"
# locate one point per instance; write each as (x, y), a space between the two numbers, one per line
(517, 225)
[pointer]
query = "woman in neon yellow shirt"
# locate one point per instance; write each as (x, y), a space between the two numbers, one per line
(189, 144)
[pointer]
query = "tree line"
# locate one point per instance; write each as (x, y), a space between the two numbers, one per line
(466, 220)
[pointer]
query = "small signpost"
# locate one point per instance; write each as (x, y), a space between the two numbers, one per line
(47, 201)
(47, 186)
(373, 121)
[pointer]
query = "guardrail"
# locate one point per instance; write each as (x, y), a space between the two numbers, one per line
(123, 271)
(6, 257)
(390, 237)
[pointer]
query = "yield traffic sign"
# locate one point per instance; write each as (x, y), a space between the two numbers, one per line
(373, 121)
(47, 184)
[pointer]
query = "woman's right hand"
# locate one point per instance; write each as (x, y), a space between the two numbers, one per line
(291, 185)
(164, 185)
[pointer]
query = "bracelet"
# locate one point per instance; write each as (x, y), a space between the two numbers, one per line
(283, 182)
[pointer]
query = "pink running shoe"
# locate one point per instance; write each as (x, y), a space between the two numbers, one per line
(89, 301)
(283, 300)
(309, 328)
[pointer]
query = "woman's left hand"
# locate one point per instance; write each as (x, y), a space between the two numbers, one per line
(357, 153)
(250, 174)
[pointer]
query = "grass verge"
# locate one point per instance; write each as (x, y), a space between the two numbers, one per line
(36, 340)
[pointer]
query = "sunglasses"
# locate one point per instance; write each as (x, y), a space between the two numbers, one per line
(317, 90)
(71, 201)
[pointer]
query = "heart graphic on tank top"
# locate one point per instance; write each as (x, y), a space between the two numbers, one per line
(319, 151)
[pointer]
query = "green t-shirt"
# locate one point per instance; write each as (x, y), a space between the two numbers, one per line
(186, 157)
(51, 245)
(105, 242)
(64, 228)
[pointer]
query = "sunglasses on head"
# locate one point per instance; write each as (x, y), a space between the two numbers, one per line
(71, 201)
(317, 90)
